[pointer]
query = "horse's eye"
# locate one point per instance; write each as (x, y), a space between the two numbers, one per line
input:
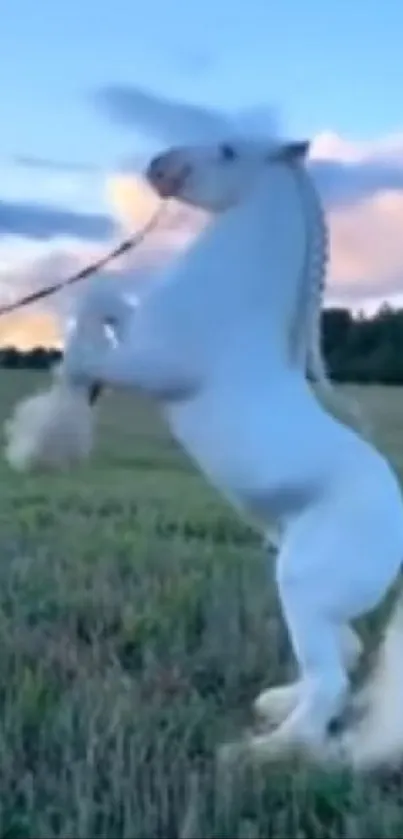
(227, 152)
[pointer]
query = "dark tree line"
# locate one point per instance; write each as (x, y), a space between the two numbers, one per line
(39, 358)
(357, 348)
(364, 349)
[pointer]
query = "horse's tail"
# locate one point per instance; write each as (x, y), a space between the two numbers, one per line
(54, 429)
(377, 737)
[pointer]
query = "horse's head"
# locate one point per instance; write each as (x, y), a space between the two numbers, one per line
(219, 176)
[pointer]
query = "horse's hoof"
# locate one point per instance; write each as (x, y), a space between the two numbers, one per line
(275, 704)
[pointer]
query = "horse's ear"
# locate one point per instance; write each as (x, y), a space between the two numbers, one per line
(295, 151)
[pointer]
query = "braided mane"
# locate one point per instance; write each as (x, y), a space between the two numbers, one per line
(309, 303)
(307, 346)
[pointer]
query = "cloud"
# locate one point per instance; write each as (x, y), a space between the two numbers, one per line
(133, 202)
(40, 221)
(26, 267)
(366, 246)
(32, 329)
(158, 116)
(26, 161)
(170, 121)
(342, 184)
(348, 173)
(345, 172)
(25, 270)
(361, 186)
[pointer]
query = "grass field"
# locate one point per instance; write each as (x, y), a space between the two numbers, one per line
(137, 624)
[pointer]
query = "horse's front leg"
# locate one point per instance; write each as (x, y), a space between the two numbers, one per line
(148, 366)
(54, 429)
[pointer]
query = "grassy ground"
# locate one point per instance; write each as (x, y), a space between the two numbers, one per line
(136, 627)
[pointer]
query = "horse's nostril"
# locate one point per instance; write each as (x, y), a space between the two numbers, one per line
(156, 169)
(156, 174)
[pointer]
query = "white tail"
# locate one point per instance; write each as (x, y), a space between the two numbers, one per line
(377, 738)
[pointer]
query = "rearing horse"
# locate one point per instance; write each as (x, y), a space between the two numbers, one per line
(222, 344)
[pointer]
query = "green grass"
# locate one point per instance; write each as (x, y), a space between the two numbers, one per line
(136, 627)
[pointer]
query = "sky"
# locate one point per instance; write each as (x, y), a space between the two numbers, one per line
(70, 131)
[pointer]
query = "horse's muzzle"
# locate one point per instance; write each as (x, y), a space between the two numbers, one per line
(167, 179)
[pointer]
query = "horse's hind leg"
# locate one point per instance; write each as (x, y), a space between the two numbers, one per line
(315, 571)
(324, 684)
(337, 562)
(275, 704)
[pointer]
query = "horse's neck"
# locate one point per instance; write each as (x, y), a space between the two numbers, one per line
(242, 274)
(259, 251)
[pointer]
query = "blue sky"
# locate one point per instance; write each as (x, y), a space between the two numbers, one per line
(329, 66)
(337, 64)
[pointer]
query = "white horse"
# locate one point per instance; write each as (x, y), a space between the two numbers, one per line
(222, 344)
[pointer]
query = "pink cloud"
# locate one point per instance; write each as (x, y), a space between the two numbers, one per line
(366, 248)
(366, 219)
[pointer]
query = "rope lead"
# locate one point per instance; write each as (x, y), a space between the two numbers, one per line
(92, 268)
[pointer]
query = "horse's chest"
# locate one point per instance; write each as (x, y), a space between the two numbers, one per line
(256, 456)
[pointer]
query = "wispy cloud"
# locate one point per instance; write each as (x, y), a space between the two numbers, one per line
(158, 116)
(27, 161)
(171, 121)
(343, 184)
(349, 173)
(40, 221)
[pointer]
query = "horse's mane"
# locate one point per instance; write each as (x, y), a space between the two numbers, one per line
(306, 339)
(309, 301)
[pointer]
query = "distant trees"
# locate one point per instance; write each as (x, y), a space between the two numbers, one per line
(364, 349)
(358, 349)
(39, 358)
